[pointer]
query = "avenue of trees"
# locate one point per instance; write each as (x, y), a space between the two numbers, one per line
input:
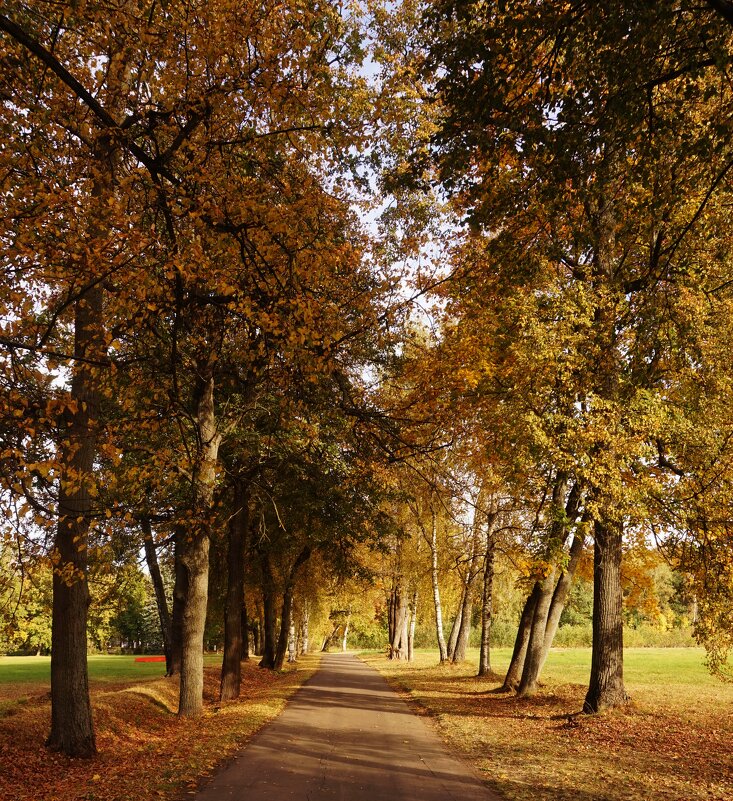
(299, 300)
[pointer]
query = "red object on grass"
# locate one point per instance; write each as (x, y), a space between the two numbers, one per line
(150, 659)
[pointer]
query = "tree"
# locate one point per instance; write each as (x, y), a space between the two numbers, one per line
(583, 168)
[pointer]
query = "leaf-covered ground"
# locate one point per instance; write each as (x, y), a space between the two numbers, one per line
(145, 751)
(673, 742)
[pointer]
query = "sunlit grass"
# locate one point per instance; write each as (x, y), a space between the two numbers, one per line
(37, 669)
(671, 743)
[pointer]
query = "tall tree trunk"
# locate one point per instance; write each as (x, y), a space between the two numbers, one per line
(72, 729)
(456, 627)
(464, 630)
(231, 666)
(516, 665)
(535, 656)
(195, 555)
(442, 648)
(269, 617)
(411, 632)
(287, 608)
(606, 688)
(304, 632)
(245, 633)
(536, 640)
(398, 643)
(560, 596)
(484, 665)
(292, 642)
(179, 602)
(151, 559)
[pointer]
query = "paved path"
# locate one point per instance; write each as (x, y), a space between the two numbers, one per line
(346, 736)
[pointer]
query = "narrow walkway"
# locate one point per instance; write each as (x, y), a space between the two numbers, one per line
(346, 736)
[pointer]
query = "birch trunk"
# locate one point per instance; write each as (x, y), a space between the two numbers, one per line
(151, 559)
(442, 648)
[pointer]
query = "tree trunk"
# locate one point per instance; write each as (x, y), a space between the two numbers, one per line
(269, 618)
(344, 639)
(536, 639)
(442, 648)
(464, 629)
(179, 603)
(411, 632)
(456, 627)
(245, 633)
(151, 558)
(287, 608)
(195, 556)
(560, 596)
(516, 666)
(562, 509)
(304, 633)
(606, 688)
(231, 667)
(398, 642)
(72, 729)
(195, 562)
(484, 665)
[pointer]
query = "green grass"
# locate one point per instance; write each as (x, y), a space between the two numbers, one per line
(37, 669)
(642, 666)
(671, 743)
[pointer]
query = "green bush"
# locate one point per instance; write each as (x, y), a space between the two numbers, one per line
(578, 635)
(646, 636)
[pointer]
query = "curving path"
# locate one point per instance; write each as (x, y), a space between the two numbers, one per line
(346, 736)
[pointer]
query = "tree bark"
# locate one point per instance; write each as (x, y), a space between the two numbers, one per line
(72, 729)
(516, 666)
(484, 666)
(456, 627)
(606, 687)
(231, 666)
(442, 648)
(304, 643)
(179, 603)
(560, 596)
(398, 633)
(464, 630)
(287, 607)
(564, 509)
(195, 556)
(245, 633)
(536, 639)
(411, 632)
(151, 559)
(269, 617)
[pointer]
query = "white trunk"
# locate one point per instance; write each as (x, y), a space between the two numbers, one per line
(436, 589)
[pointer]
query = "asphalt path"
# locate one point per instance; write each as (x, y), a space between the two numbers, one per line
(346, 736)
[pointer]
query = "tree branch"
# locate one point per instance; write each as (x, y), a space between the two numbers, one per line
(47, 58)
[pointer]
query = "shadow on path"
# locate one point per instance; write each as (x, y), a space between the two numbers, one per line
(346, 736)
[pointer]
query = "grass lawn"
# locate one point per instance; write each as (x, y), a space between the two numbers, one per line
(37, 669)
(145, 752)
(671, 743)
